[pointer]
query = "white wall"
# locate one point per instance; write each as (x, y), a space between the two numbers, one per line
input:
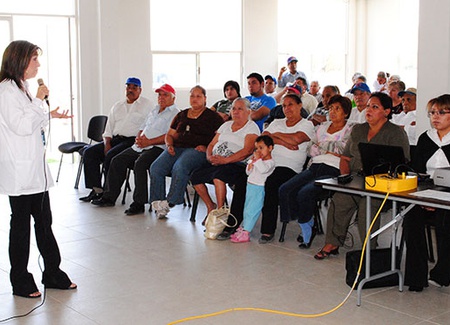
(433, 77)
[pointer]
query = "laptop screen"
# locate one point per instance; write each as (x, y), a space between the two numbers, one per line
(380, 158)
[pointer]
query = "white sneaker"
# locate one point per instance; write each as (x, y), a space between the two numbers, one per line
(161, 208)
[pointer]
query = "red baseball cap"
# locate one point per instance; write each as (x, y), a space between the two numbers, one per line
(167, 88)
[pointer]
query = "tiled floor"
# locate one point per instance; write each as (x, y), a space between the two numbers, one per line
(140, 270)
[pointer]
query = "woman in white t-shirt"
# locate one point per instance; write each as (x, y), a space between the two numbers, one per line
(226, 153)
(291, 136)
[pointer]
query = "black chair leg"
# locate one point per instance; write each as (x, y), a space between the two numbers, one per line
(80, 167)
(430, 244)
(127, 187)
(59, 169)
(283, 232)
(194, 206)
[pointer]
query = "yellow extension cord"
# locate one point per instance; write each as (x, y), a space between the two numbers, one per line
(296, 314)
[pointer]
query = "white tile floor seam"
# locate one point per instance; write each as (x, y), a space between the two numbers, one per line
(141, 270)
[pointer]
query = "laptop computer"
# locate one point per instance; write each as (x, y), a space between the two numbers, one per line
(381, 159)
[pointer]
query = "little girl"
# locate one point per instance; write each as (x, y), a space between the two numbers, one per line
(258, 169)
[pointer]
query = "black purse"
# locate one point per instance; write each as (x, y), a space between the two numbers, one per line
(380, 261)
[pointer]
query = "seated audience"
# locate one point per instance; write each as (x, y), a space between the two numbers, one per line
(277, 111)
(376, 130)
(394, 88)
(433, 151)
(270, 85)
(314, 90)
(380, 84)
(309, 101)
(407, 118)
(361, 94)
(226, 153)
(298, 195)
(124, 121)
(320, 114)
(189, 134)
(148, 146)
(231, 91)
(260, 103)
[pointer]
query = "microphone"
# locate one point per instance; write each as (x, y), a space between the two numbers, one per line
(41, 83)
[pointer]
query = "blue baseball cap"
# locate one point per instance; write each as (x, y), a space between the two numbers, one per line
(133, 81)
(361, 86)
(271, 77)
(292, 59)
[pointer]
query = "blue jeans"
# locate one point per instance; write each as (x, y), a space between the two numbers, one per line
(299, 194)
(179, 167)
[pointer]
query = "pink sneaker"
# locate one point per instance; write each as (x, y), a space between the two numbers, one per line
(236, 233)
(241, 236)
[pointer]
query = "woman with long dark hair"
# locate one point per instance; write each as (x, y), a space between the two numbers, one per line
(24, 174)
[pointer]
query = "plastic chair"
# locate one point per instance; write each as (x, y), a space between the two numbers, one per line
(95, 131)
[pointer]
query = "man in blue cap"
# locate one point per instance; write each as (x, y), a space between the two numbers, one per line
(361, 94)
(124, 121)
(286, 77)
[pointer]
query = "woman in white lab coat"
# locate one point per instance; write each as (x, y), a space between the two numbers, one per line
(24, 174)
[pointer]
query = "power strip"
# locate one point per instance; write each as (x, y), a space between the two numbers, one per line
(386, 183)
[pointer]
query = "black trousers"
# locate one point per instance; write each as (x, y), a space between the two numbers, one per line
(22, 207)
(140, 162)
(416, 266)
(94, 157)
(270, 210)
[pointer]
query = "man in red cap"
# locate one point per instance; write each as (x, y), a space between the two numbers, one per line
(286, 77)
(148, 146)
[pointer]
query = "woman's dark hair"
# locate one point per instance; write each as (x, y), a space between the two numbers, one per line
(16, 58)
(345, 103)
(203, 90)
(268, 141)
(234, 85)
(385, 100)
(295, 97)
(333, 88)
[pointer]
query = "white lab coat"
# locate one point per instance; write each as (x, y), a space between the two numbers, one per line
(23, 169)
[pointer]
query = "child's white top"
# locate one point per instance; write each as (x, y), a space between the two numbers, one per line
(261, 170)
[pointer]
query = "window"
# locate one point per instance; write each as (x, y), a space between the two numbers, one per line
(199, 45)
(333, 39)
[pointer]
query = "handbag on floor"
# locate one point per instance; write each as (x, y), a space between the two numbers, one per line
(217, 221)
(380, 261)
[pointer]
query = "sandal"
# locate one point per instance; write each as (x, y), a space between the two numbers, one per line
(322, 254)
(32, 295)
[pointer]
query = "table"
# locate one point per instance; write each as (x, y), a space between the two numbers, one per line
(357, 187)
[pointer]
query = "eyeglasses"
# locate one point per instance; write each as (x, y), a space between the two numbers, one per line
(439, 113)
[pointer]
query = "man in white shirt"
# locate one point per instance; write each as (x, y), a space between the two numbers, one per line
(407, 118)
(309, 101)
(361, 94)
(124, 120)
(148, 146)
(270, 85)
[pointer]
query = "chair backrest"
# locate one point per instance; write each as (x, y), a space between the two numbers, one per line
(96, 127)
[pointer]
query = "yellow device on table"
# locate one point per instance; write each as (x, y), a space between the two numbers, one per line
(387, 183)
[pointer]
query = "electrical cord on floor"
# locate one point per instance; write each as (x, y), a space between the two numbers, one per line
(278, 312)
(38, 306)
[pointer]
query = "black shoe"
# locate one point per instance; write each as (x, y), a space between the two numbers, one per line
(308, 245)
(265, 239)
(300, 239)
(135, 209)
(103, 202)
(92, 196)
(415, 289)
(224, 235)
